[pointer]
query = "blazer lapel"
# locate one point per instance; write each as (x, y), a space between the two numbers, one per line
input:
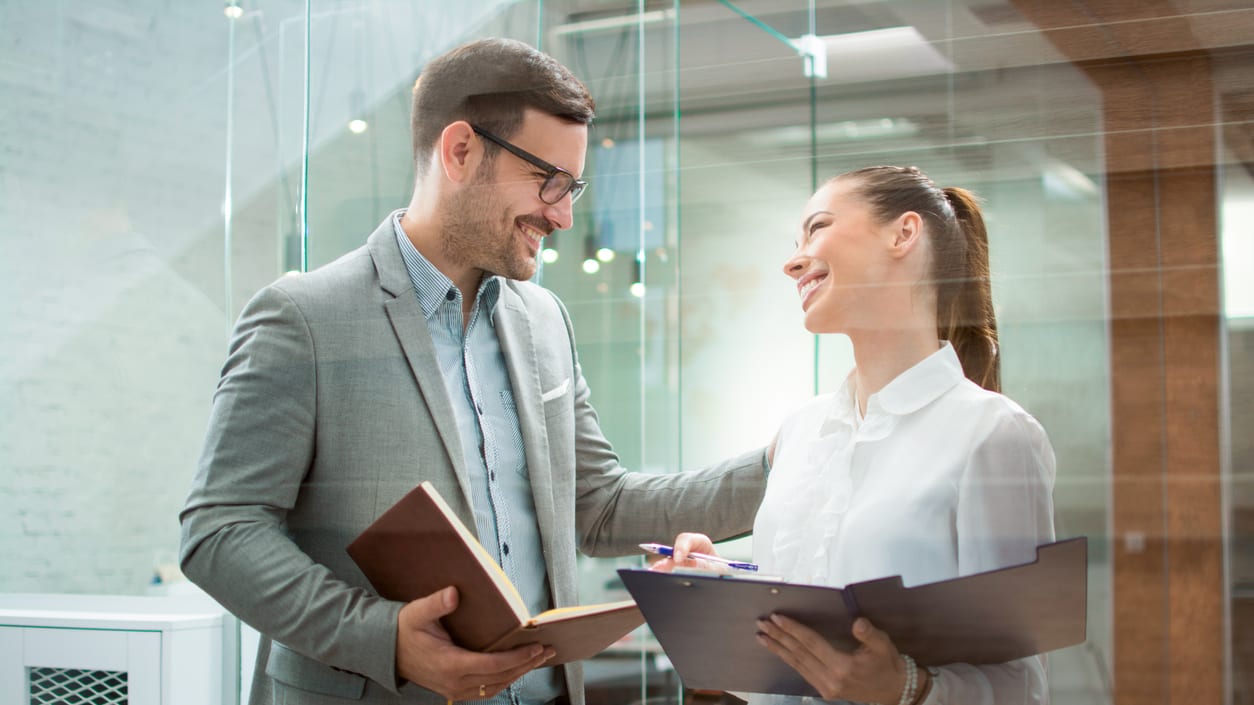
(517, 346)
(410, 326)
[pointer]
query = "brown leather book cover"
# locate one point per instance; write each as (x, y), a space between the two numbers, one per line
(706, 623)
(419, 546)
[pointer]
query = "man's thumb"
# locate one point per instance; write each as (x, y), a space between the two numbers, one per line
(435, 605)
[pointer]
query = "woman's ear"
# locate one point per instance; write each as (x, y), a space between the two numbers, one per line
(459, 151)
(907, 233)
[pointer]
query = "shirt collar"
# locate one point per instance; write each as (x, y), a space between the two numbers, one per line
(431, 286)
(909, 391)
(922, 384)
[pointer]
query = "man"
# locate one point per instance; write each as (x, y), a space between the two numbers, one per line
(425, 355)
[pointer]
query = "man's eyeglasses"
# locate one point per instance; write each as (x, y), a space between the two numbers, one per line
(557, 181)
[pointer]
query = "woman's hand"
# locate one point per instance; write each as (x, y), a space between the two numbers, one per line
(874, 672)
(684, 545)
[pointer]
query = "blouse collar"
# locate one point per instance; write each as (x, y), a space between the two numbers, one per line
(909, 391)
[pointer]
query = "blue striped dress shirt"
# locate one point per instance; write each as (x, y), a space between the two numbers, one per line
(478, 384)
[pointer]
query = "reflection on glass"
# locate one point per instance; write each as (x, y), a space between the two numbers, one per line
(162, 165)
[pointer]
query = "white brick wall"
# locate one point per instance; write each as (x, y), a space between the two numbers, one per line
(113, 317)
(101, 426)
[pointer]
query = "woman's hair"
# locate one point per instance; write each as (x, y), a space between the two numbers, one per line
(489, 83)
(959, 259)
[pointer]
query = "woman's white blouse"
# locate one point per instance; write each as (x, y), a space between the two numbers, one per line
(940, 479)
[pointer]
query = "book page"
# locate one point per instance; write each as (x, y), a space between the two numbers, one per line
(560, 613)
(507, 588)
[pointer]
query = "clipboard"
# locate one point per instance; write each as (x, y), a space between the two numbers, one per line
(707, 624)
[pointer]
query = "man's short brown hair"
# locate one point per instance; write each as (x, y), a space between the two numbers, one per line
(489, 83)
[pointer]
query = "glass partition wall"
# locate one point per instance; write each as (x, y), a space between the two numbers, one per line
(1110, 144)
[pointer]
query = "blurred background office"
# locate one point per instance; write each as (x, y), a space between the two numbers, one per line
(161, 161)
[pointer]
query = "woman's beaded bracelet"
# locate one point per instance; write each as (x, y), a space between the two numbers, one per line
(912, 681)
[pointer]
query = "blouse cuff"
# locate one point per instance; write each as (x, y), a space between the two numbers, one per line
(933, 693)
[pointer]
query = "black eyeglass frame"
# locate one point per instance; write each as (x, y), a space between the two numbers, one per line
(575, 187)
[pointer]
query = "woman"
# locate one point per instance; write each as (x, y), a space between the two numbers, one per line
(917, 466)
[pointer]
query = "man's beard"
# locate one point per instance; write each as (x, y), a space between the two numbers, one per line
(478, 232)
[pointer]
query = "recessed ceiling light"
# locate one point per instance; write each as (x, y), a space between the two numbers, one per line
(879, 54)
(832, 132)
(615, 22)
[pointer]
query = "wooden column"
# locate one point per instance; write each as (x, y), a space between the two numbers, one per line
(1159, 112)
(1165, 331)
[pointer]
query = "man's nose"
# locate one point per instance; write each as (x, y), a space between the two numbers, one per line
(560, 214)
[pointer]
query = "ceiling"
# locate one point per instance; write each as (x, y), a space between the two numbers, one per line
(121, 107)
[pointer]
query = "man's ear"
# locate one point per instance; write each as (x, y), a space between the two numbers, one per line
(906, 232)
(459, 151)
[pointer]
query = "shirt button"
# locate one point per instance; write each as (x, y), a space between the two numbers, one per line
(492, 476)
(479, 409)
(450, 295)
(505, 549)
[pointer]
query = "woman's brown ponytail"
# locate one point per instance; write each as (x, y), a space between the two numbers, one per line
(959, 260)
(964, 303)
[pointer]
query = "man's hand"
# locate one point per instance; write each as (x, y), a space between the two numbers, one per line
(427, 656)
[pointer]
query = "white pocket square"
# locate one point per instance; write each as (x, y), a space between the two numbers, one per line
(555, 392)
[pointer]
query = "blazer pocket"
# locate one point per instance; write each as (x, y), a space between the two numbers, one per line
(297, 671)
(555, 392)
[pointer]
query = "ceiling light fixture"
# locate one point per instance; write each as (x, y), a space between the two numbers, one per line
(835, 132)
(876, 54)
(591, 264)
(615, 22)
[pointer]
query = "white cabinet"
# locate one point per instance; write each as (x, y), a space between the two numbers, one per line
(116, 650)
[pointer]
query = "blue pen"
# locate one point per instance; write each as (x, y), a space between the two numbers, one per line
(664, 550)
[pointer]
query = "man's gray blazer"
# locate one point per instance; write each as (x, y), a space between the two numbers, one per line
(331, 407)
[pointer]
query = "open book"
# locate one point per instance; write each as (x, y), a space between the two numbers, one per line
(419, 546)
(707, 623)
